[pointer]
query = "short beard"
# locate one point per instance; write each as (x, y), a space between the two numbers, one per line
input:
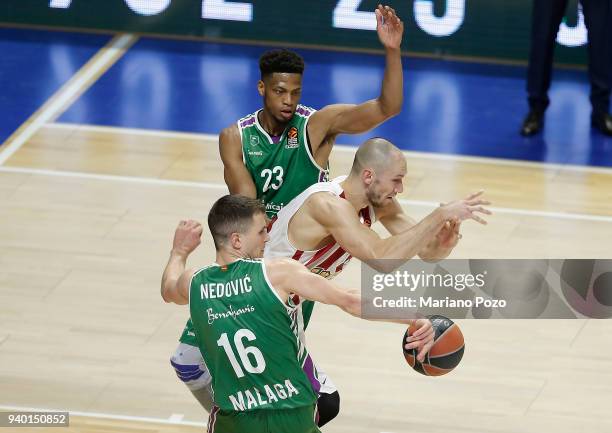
(375, 200)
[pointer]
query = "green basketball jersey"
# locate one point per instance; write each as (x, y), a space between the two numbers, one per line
(283, 168)
(188, 335)
(281, 171)
(248, 338)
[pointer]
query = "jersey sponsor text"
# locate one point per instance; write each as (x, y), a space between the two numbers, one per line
(212, 315)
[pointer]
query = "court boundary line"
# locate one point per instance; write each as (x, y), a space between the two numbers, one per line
(345, 148)
(212, 185)
(61, 100)
(171, 420)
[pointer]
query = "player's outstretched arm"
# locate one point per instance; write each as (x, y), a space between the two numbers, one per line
(288, 276)
(339, 219)
(175, 279)
(355, 119)
(236, 175)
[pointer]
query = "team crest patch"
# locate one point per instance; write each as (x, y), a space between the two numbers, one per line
(254, 140)
(292, 138)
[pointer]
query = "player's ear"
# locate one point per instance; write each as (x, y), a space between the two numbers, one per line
(235, 241)
(261, 87)
(367, 175)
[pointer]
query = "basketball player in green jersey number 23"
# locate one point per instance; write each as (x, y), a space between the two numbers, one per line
(280, 150)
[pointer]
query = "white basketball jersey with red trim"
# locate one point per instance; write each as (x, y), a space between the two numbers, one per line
(327, 261)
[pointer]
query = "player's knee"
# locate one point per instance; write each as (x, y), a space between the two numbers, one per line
(328, 407)
(190, 368)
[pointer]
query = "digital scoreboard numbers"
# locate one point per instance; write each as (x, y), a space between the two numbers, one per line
(211, 9)
(346, 15)
(475, 28)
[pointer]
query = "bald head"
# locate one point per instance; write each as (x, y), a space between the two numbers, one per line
(376, 154)
(379, 169)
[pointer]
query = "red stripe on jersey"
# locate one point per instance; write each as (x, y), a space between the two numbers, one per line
(331, 259)
(365, 213)
(339, 268)
(272, 221)
(319, 254)
(295, 299)
(297, 255)
(212, 419)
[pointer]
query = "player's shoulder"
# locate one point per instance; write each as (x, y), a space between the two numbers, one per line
(334, 109)
(247, 120)
(282, 266)
(304, 111)
(247, 263)
(251, 260)
(327, 204)
(191, 273)
(279, 261)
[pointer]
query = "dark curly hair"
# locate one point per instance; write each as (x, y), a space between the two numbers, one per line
(280, 61)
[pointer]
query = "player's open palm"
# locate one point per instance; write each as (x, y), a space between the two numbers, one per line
(468, 208)
(187, 237)
(389, 27)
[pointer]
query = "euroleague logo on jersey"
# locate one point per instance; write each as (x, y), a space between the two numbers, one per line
(292, 138)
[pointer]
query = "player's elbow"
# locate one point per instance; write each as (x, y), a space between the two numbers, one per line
(390, 109)
(176, 300)
(393, 111)
(165, 296)
(170, 296)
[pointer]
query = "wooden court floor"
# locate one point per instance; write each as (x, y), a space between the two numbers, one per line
(88, 215)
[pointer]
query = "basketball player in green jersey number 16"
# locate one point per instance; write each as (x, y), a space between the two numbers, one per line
(245, 323)
(282, 149)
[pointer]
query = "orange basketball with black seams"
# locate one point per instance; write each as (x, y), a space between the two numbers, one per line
(293, 132)
(446, 352)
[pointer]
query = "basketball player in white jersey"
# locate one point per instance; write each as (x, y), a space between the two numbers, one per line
(328, 223)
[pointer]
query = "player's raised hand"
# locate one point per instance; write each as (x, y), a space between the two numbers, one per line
(187, 237)
(467, 208)
(389, 27)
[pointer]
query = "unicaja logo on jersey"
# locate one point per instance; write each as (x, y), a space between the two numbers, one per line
(292, 138)
(254, 140)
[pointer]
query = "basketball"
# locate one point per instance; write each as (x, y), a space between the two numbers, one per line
(446, 352)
